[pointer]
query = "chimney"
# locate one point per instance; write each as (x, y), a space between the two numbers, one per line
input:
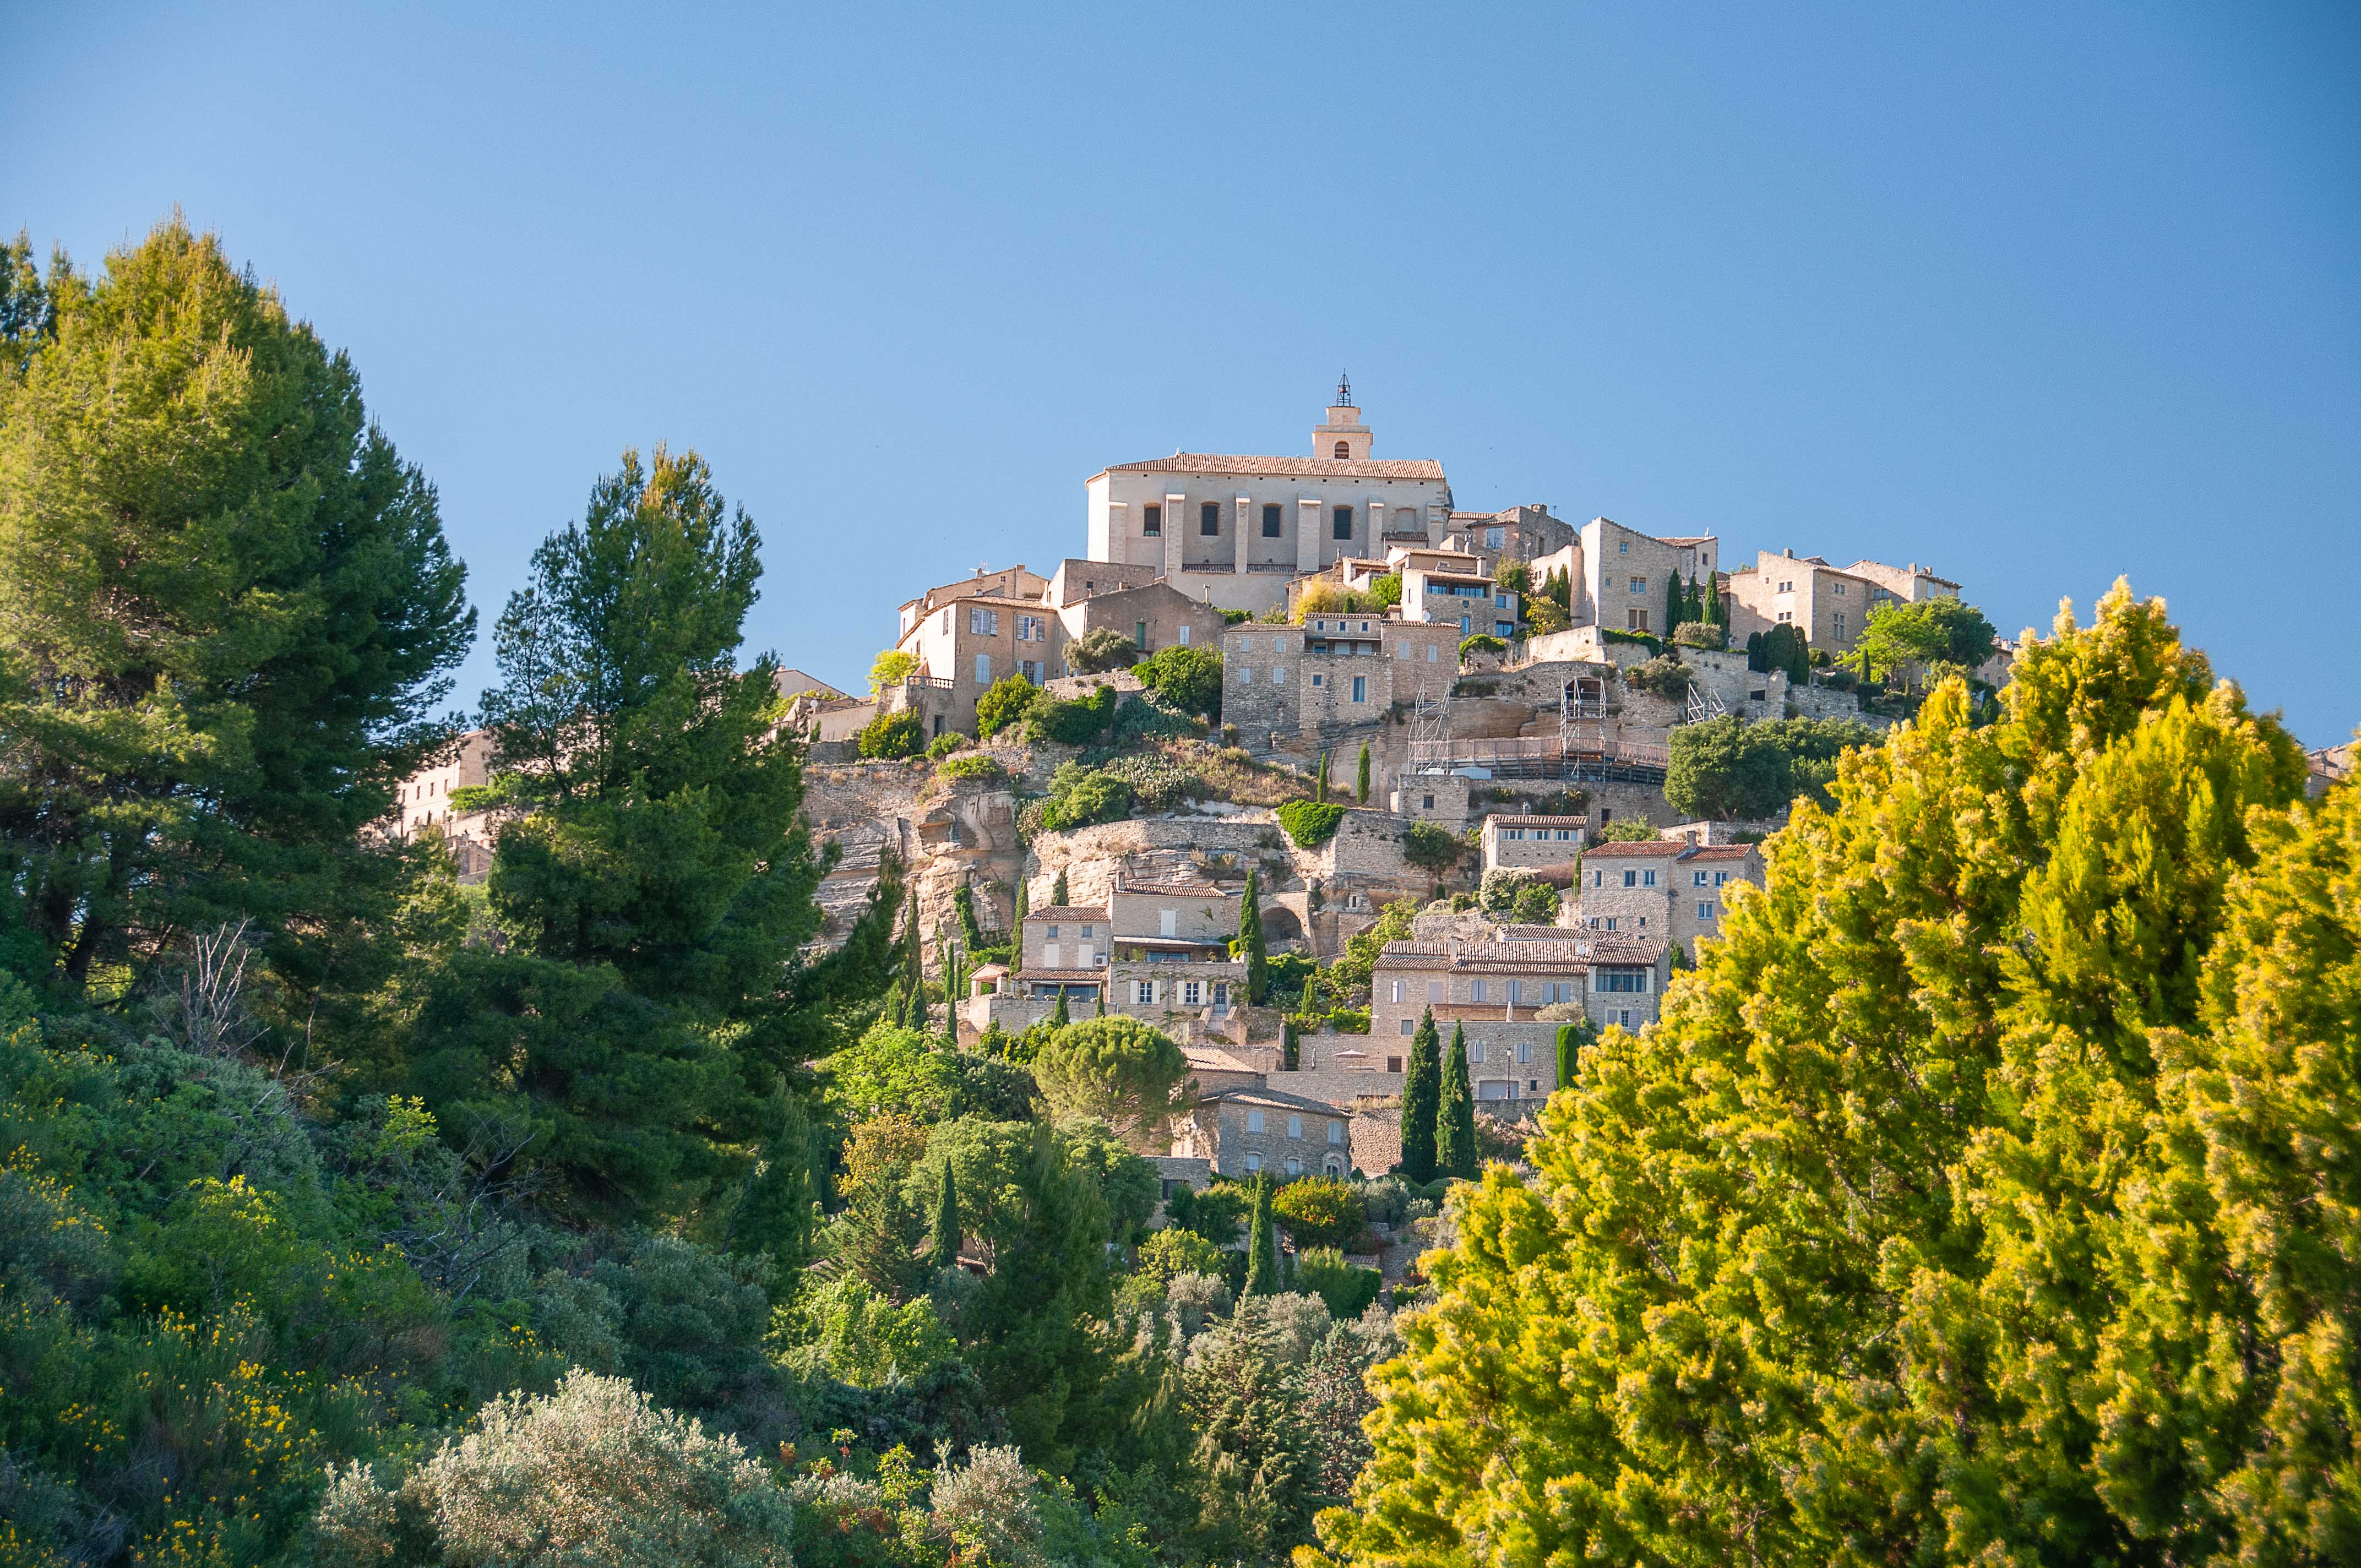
(1789, 553)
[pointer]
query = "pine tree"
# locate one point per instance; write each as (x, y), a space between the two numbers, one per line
(1262, 1244)
(1058, 890)
(1361, 783)
(1422, 1096)
(946, 1220)
(1251, 945)
(2062, 1289)
(1455, 1114)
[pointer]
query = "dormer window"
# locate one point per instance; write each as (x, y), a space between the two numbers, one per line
(1343, 451)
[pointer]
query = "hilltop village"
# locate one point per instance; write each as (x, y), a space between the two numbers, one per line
(1427, 755)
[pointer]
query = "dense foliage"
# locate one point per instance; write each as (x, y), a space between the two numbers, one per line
(1311, 823)
(1730, 770)
(1985, 1196)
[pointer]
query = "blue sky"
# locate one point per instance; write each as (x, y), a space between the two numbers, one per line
(2037, 295)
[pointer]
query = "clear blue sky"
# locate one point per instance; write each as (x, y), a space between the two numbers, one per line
(2035, 294)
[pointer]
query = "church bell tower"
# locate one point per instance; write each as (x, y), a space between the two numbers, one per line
(1344, 436)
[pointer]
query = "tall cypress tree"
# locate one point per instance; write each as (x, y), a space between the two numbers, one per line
(1262, 1244)
(1251, 945)
(1422, 1092)
(1319, 778)
(1024, 889)
(1715, 611)
(1361, 783)
(1058, 890)
(1569, 1051)
(1676, 605)
(947, 1221)
(1455, 1116)
(1287, 1048)
(1059, 1015)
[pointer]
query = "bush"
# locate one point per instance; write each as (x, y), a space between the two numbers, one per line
(1147, 715)
(1432, 849)
(1072, 722)
(1701, 634)
(1385, 590)
(1482, 643)
(974, 766)
(1311, 823)
(1630, 830)
(1173, 1251)
(893, 736)
(1726, 769)
(1328, 598)
(1663, 676)
(1079, 797)
(1320, 1211)
(1102, 650)
(1160, 786)
(1005, 703)
(1643, 639)
(1517, 898)
(891, 668)
(949, 741)
(1346, 1289)
(1189, 678)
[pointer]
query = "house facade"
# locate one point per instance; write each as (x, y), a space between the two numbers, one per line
(1670, 889)
(1249, 1131)
(1521, 843)
(1830, 605)
(1331, 670)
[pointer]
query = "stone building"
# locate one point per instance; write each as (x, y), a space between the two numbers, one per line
(1903, 585)
(1470, 602)
(425, 796)
(1330, 672)
(968, 635)
(1625, 574)
(1233, 530)
(1671, 888)
(1153, 615)
(1828, 605)
(1247, 1131)
(1437, 797)
(1520, 843)
(1520, 533)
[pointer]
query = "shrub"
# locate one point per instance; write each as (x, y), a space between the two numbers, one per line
(1723, 769)
(1432, 849)
(893, 736)
(1385, 590)
(1663, 676)
(1516, 896)
(1145, 716)
(1482, 643)
(1159, 783)
(1079, 797)
(590, 1474)
(1189, 678)
(1701, 634)
(1172, 1251)
(1328, 598)
(865, 1339)
(1073, 722)
(891, 669)
(1320, 1211)
(990, 1507)
(949, 741)
(1311, 823)
(1630, 830)
(1005, 703)
(1644, 639)
(1102, 650)
(974, 766)
(1345, 1288)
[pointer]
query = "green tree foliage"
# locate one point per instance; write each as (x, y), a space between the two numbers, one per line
(890, 736)
(1311, 823)
(1454, 1113)
(1516, 897)
(1422, 1101)
(661, 884)
(1676, 604)
(1345, 1288)
(1936, 633)
(1320, 779)
(1481, 642)
(1079, 797)
(1361, 776)
(1250, 945)
(1716, 611)
(890, 668)
(1075, 722)
(1944, 1161)
(1730, 770)
(1571, 1040)
(225, 610)
(945, 1254)
(1251, 1472)
(1349, 975)
(1321, 1211)
(1058, 890)
(1432, 849)
(1385, 591)
(1117, 1070)
(1101, 650)
(1005, 703)
(1262, 1244)
(1189, 678)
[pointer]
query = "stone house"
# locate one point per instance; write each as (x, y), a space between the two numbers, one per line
(424, 797)
(1669, 888)
(1234, 530)
(1520, 533)
(1472, 602)
(1330, 672)
(1437, 797)
(1901, 584)
(1153, 615)
(1246, 1131)
(1625, 574)
(1522, 842)
(1828, 605)
(964, 641)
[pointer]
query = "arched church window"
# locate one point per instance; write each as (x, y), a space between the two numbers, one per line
(1343, 449)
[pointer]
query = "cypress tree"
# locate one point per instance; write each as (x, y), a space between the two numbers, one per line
(1715, 611)
(1569, 1052)
(1251, 947)
(1361, 783)
(1287, 1048)
(1676, 605)
(947, 1221)
(1058, 890)
(1262, 1244)
(1024, 888)
(1100, 994)
(915, 1017)
(1319, 778)
(1455, 1116)
(1422, 1089)
(1754, 660)
(1061, 1017)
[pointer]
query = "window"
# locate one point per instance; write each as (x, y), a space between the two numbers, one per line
(1504, 629)
(1836, 588)
(1633, 980)
(1295, 1126)
(1168, 921)
(1835, 623)
(1476, 991)
(1393, 1064)
(1030, 669)
(1245, 675)
(1500, 602)
(1475, 1051)
(1631, 878)
(1428, 803)
(1700, 879)
(1142, 991)
(1524, 1052)
(1491, 539)
(1335, 1132)
(1705, 909)
(1785, 615)
(1053, 933)
(1052, 952)
(1408, 1027)
(1151, 519)
(1270, 523)
(1342, 523)
(1647, 879)
(1254, 1161)
(1087, 932)
(1139, 635)
(1279, 675)
(1466, 624)
(984, 669)
(1344, 451)
(984, 622)
(1184, 634)
(1395, 993)
(1786, 588)
(1192, 994)
(1720, 877)
(1429, 652)
(1318, 679)
(1623, 1018)
(1639, 584)
(1254, 1120)
(1435, 990)
(1598, 879)
(1031, 629)
(1622, 546)
(1209, 518)
(1637, 620)
(1294, 1166)
(1360, 688)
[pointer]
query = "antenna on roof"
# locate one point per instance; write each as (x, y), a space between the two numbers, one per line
(1344, 390)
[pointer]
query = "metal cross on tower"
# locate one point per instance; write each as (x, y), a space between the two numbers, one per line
(1344, 390)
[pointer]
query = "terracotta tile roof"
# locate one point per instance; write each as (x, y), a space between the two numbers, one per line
(1067, 912)
(1212, 462)
(1244, 1095)
(1721, 851)
(1643, 849)
(1506, 820)
(1075, 975)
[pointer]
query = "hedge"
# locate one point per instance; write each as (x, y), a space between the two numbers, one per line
(1311, 823)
